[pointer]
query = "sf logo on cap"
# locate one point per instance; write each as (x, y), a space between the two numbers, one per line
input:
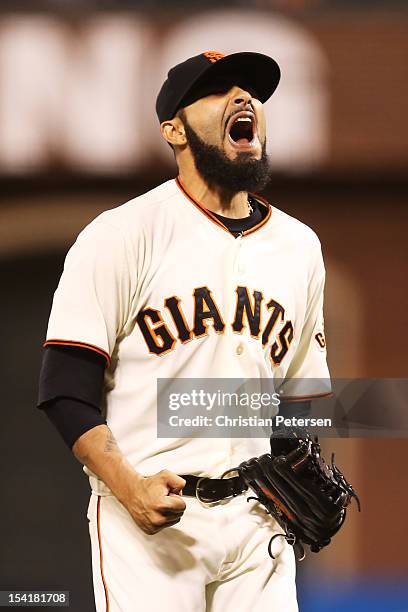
(213, 56)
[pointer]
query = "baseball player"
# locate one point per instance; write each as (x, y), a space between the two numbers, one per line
(198, 277)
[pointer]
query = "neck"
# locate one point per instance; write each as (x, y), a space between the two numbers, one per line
(212, 197)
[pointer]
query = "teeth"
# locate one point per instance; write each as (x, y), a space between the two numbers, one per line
(244, 119)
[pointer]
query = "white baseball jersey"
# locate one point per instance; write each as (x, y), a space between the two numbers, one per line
(162, 289)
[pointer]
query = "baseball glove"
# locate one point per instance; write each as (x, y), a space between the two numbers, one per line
(306, 496)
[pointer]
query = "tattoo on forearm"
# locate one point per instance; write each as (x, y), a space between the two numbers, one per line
(110, 444)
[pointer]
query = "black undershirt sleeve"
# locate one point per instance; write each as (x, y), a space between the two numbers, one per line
(70, 390)
(288, 410)
(299, 410)
(72, 418)
(70, 371)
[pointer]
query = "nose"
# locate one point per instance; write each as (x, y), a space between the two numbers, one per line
(242, 97)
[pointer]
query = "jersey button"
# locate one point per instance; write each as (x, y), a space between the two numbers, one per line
(240, 349)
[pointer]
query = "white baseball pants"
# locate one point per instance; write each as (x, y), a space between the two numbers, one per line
(214, 560)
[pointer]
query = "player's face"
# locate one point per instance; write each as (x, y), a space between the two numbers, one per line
(231, 118)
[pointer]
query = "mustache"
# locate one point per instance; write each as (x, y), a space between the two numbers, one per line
(248, 108)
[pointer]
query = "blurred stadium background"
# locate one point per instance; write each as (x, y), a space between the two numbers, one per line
(78, 135)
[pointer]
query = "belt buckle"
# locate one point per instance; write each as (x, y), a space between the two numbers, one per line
(197, 492)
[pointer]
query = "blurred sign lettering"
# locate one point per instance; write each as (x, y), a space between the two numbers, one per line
(80, 95)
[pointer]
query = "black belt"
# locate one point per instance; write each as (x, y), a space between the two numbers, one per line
(209, 490)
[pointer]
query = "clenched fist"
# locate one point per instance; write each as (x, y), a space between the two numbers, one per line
(156, 501)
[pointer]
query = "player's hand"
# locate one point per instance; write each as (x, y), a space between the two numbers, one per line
(156, 502)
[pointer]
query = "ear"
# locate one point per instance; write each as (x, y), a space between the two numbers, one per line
(173, 131)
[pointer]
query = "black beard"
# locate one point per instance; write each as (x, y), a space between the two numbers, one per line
(241, 174)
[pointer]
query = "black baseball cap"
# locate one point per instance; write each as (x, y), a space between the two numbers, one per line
(192, 79)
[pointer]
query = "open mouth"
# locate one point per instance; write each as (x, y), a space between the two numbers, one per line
(241, 128)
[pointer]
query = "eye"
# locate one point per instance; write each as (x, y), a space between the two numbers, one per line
(221, 91)
(211, 89)
(253, 93)
(219, 88)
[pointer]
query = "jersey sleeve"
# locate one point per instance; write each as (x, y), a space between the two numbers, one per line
(92, 300)
(308, 374)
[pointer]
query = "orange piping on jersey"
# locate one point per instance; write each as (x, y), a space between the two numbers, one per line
(100, 553)
(213, 218)
(261, 223)
(302, 398)
(206, 212)
(91, 347)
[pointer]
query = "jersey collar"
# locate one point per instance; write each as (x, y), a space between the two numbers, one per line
(212, 217)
